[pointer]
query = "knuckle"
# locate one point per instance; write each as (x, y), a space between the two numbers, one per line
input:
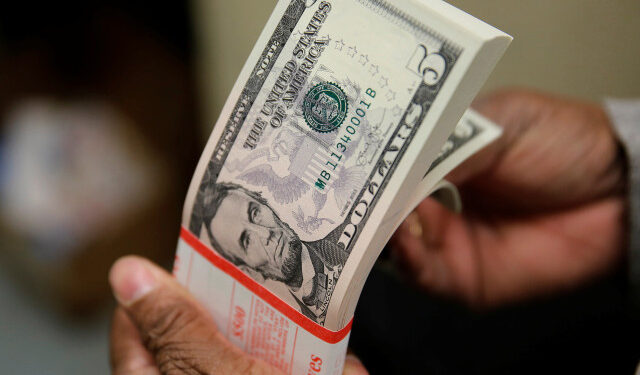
(167, 326)
(169, 321)
(513, 96)
(175, 353)
(509, 98)
(177, 360)
(183, 341)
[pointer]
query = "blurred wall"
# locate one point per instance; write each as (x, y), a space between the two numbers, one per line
(584, 48)
(225, 33)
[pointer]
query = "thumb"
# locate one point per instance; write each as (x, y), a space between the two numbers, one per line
(178, 333)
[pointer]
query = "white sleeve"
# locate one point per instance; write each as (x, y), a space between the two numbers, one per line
(625, 117)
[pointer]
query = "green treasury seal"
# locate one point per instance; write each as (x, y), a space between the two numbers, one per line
(325, 107)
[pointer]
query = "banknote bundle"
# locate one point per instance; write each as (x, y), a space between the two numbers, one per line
(345, 116)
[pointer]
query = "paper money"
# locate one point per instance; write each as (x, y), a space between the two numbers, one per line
(472, 133)
(318, 153)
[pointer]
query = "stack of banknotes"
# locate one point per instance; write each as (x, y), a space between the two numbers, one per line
(345, 116)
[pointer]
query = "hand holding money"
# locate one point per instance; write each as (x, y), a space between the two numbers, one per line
(451, 250)
(160, 328)
(345, 116)
(555, 174)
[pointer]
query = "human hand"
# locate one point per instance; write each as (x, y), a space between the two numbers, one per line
(159, 328)
(544, 206)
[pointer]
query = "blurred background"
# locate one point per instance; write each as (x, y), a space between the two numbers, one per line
(105, 108)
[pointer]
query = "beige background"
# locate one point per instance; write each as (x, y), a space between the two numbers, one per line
(583, 48)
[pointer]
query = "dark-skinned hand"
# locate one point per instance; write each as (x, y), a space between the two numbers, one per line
(159, 328)
(544, 206)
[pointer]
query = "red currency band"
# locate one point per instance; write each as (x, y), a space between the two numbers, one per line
(230, 269)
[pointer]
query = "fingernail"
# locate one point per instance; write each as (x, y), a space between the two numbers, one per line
(131, 279)
(414, 226)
